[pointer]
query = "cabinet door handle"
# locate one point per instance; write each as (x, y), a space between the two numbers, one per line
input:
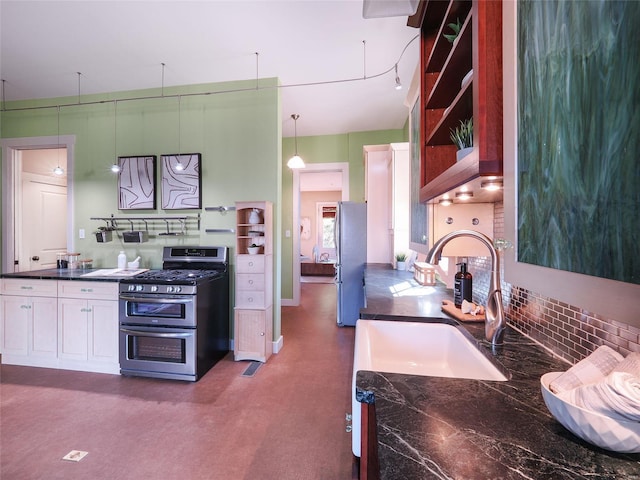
(262, 334)
(26, 287)
(89, 290)
(250, 282)
(251, 264)
(28, 307)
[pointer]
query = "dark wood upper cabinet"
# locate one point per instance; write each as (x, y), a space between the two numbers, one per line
(446, 100)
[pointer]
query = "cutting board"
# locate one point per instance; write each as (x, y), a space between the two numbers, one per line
(449, 308)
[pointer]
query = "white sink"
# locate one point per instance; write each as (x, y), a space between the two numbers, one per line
(415, 348)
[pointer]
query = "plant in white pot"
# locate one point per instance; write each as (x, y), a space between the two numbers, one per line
(253, 249)
(462, 137)
(401, 261)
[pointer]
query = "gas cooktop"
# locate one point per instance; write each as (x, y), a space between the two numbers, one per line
(175, 276)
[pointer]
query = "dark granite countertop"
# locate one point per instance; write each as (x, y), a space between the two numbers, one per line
(447, 428)
(62, 274)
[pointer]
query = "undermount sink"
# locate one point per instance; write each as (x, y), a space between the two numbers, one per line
(415, 348)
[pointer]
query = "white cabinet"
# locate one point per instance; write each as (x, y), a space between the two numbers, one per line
(253, 312)
(88, 325)
(29, 321)
(60, 324)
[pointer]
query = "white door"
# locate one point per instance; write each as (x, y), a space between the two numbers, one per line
(44, 222)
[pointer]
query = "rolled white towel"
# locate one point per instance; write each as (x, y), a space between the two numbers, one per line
(616, 396)
(588, 370)
(631, 364)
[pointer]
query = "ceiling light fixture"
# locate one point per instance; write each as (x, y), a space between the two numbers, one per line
(445, 202)
(58, 170)
(296, 161)
(389, 8)
(492, 185)
(398, 84)
(464, 195)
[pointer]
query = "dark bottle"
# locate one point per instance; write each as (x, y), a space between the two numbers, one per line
(462, 286)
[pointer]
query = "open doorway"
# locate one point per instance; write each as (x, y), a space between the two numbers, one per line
(317, 183)
(37, 203)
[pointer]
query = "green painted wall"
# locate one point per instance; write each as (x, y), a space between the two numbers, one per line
(326, 149)
(237, 131)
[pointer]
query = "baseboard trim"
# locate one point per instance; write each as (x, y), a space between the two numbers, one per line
(278, 344)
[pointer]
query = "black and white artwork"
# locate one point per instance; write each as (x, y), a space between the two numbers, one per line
(137, 183)
(181, 181)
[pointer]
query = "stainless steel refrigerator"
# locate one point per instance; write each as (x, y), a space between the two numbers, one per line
(351, 251)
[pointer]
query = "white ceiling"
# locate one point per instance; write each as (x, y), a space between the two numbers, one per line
(121, 45)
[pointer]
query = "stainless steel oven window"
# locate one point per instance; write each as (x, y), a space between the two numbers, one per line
(142, 347)
(155, 309)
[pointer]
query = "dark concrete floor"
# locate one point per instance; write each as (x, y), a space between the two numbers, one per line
(285, 422)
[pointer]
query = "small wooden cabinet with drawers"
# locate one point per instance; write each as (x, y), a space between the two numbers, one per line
(253, 312)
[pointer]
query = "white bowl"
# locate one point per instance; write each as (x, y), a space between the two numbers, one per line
(600, 430)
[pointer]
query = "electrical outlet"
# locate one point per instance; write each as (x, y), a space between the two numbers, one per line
(81, 233)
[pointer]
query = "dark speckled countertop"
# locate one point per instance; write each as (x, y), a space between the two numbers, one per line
(447, 428)
(62, 274)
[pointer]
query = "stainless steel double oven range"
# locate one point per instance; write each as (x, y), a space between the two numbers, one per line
(174, 322)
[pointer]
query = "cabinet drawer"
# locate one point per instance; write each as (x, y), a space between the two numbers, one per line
(250, 281)
(250, 263)
(250, 299)
(88, 290)
(32, 288)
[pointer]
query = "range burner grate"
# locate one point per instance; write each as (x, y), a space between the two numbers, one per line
(176, 275)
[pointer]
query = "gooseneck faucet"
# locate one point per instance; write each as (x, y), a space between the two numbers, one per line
(495, 323)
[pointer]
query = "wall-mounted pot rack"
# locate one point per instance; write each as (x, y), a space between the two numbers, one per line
(153, 223)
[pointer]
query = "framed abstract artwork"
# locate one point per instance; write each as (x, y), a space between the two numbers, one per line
(137, 183)
(181, 181)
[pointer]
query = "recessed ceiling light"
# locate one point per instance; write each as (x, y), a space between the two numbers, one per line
(464, 195)
(492, 185)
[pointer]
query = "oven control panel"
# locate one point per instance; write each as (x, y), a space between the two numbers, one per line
(158, 289)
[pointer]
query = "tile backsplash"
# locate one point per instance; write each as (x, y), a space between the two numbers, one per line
(568, 331)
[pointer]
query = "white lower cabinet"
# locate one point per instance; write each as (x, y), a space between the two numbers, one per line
(29, 328)
(29, 321)
(75, 327)
(88, 326)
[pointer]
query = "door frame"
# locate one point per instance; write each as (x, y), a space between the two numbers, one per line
(11, 153)
(343, 168)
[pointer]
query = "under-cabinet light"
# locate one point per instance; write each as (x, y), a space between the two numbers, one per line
(464, 195)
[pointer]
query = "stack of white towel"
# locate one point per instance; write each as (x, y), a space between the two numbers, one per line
(605, 382)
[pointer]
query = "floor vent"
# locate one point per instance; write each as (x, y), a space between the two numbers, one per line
(251, 369)
(75, 455)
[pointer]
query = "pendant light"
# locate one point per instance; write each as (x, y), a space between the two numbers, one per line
(398, 84)
(295, 162)
(58, 170)
(178, 166)
(115, 168)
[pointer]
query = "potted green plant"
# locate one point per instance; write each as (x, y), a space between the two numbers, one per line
(456, 27)
(462, 137)
(253, 249)
(401, 259)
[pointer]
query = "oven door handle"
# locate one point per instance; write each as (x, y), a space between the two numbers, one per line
(156, 299)
(154, 334)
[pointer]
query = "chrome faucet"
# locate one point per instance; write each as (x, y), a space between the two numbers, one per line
(495, 323)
